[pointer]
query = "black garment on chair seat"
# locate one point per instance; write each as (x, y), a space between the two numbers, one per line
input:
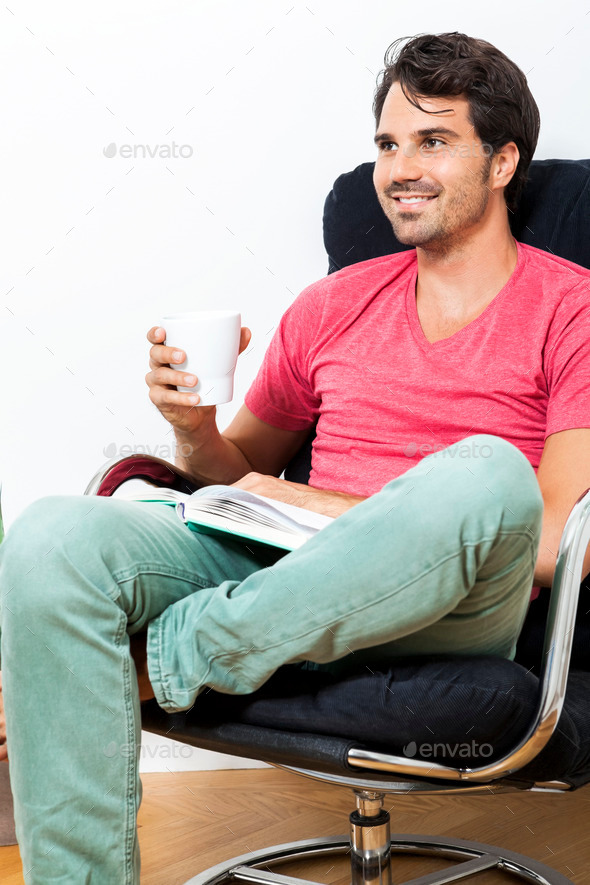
(464, 713)
(406, 705)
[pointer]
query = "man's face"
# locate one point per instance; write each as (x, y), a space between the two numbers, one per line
(435, 161)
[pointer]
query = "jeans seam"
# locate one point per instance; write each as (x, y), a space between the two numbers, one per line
(159, 682)
(131, 762)
(120, 576)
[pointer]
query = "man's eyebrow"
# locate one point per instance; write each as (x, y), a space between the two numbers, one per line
(420, 133)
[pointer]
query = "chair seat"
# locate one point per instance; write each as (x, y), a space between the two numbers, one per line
(475, 710)
(472, 706)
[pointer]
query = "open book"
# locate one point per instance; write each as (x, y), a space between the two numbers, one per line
(226, 510)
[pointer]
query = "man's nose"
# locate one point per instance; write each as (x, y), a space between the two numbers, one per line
(407, 164)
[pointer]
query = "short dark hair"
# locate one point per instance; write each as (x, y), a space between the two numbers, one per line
(502, 108)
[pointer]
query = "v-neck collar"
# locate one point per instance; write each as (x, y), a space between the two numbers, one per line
(457, 337)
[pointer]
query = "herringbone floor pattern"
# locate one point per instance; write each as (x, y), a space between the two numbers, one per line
(190, 821)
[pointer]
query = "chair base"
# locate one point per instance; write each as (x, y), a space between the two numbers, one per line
(473, 856)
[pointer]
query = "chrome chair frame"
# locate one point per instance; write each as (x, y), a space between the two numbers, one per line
(370, 842)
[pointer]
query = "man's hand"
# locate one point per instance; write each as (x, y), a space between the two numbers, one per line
(178, 408)
(3, 748)
(318, 500)
(138, 648)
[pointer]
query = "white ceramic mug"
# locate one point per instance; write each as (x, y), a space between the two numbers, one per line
(211, 342)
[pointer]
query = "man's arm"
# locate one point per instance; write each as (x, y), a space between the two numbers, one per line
(563, 475)
(247, 445)
(248, 451)
(3, 750)
(202, 451)
(324, 501)
(268, 450)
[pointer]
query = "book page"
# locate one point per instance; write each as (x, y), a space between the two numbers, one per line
(287, 515)
(138, 489)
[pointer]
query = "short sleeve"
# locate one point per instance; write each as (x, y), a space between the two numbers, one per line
(282, 394)
(567, 362)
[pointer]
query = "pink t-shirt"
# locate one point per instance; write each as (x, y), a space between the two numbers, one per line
(350, 353)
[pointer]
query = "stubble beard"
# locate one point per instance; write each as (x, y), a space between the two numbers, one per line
(446, 231)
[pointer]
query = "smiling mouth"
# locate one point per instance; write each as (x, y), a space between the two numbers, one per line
(410, 201)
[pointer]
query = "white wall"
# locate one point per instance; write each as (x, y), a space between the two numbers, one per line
(272, 100)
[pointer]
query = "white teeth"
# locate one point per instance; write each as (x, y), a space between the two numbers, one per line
(413, 199)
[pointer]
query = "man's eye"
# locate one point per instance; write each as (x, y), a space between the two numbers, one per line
(433, 143)
(387, 146)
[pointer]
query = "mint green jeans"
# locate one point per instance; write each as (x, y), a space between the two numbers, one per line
(440, 560)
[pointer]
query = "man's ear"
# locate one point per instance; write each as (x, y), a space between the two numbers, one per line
(504, 165)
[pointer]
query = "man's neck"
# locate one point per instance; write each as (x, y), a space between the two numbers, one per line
(461, 281)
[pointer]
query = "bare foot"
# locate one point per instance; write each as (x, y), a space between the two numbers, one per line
(3, 748)
(138, 647)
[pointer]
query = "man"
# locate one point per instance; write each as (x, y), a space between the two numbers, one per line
(471, 339)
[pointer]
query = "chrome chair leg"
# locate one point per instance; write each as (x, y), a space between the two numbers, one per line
(370, 840)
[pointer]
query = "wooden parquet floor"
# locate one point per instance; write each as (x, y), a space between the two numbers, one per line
(190, 821)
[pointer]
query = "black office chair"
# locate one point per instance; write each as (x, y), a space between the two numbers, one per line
(355, 729)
